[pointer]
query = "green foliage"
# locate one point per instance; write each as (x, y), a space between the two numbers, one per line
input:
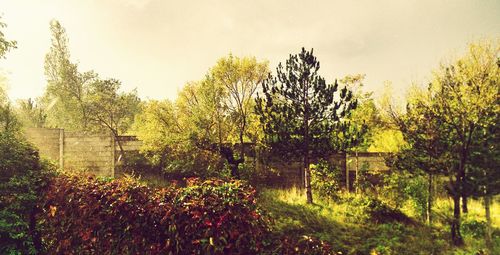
(31, 114)
(352, 224)
(304, 245)
(170, 141)
(240, 79)
(475, 228)
(386, 140)
(302, 115)
(447, 125)
(259, 177)
(402, 187)
(110, 109)
(64, 98)
(298, 96)
(17, 157)
(196, 132)
(366, 117)
(5, 44)
(82, 101)
(9, 122)
(22, 177)
(376, 210)
(326, 178)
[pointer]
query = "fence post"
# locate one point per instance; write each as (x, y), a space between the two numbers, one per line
(357, 172)
(61, 148)
(344, 164)
(113, 151)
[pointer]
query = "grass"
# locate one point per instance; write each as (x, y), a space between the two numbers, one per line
(347, 224)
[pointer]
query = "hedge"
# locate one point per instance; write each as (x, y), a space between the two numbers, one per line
(92, 216)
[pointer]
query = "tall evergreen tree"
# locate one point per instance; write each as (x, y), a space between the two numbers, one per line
(302, 114)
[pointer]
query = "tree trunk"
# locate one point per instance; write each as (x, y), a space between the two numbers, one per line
(356, 181)
(228, 153)
(429, 199)
(487, 238)
(465, 208)
(307, 177)
(120, 146)
(242, 149)
(234, 171)
(307, 169)
(456, 236)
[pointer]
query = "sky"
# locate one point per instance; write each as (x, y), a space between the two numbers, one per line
(157, 46)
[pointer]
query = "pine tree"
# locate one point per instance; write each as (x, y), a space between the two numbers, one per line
(302, 114)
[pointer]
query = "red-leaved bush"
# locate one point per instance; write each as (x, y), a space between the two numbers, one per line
(90, 216)
(86, 215)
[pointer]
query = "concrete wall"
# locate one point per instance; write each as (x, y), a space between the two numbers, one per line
(93, 153)
(349, 165)
(79, 151)
(47, 140)
(100, 154)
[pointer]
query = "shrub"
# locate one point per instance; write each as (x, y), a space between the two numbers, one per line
(400, 187)
(262, 176)
(17, 157)
(376, 210)
(22, 177)
(90, 216)
(304, 245)
(325, 178)
(475, 228)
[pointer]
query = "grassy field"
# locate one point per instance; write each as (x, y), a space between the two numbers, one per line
(350, 225)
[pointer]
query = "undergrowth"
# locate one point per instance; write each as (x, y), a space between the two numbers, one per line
(352, 225)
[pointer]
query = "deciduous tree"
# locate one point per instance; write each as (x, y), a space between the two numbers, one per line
(240, 78)
(110, 109)
(458, 107)
(67, 88)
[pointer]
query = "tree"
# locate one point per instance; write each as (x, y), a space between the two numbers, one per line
(5, 45)
(110, 109)
(8, 120)
(426, 151)
(9, 123)
(484, 175)
(240, 78)
(31, 114)
(460, 103)
(365, 118)
(66, 92)
(206, 119)
(178, 137)
(468, 96)
(304, 115)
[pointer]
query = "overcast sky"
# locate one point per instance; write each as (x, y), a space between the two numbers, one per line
(157, 46)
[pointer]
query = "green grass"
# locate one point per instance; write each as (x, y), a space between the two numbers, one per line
(347, 225)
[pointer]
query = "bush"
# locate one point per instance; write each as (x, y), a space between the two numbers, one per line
(376, 211)
(17, 157)
(475, 228)
(325, 178)
(262, 176)
(400, 187)
(22, 177)
(90, 216)
(304, 245)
